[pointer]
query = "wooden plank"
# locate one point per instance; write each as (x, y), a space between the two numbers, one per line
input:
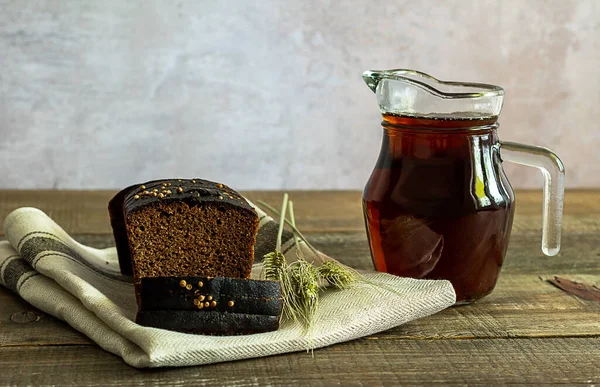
(580, 251)
(525, 332)
(358, 363)
(23, 325)
(577, 202)
(521, 306)
(84, 212)
(72, 210)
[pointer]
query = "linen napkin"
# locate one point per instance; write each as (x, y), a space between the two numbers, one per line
(84, 287)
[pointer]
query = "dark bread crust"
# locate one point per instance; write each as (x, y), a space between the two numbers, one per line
(192, 192)
(117, 222)
(208, 322)
(232, 295)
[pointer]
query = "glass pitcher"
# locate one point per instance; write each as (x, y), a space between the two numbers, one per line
(438, 204)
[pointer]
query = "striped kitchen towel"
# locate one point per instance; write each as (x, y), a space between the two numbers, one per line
(84, 287)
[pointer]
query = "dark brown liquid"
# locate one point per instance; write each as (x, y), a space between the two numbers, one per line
(438, 204)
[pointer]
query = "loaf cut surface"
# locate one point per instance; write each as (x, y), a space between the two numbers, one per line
(181, 227)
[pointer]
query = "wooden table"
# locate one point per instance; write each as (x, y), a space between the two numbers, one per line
(527, 331)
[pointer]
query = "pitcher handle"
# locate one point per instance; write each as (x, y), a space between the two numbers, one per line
(554, 187)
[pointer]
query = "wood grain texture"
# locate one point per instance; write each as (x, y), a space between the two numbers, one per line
(526, 331)
(85, 212)
(43, 331)
(580, 252)
(523, 306)
(363, 362)
(520, 306)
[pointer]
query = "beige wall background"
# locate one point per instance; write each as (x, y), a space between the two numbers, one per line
(268, 94)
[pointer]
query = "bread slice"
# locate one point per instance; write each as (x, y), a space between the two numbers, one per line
(223, 294)
(213, 306)
(183, 228)
(208, 322)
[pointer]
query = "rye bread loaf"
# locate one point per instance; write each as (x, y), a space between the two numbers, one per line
(232, 295)
(208, 322)
(213, 306)
(189, 245)
(183, 228)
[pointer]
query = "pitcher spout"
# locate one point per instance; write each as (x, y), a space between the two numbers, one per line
(372, 78)
(409, 92)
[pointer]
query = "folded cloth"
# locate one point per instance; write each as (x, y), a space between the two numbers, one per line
(84, 287)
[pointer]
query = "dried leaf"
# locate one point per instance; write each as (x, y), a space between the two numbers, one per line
(581, 290)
